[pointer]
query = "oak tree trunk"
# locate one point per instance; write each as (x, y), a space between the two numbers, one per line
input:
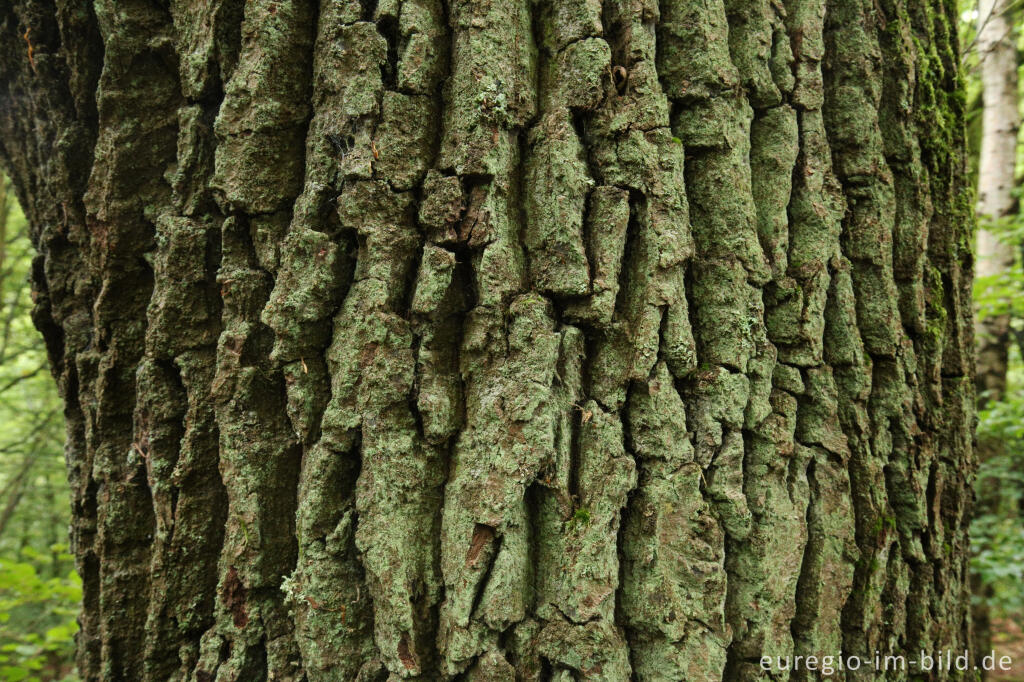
(502, 339)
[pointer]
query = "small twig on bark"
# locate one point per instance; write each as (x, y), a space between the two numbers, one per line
(31, 59)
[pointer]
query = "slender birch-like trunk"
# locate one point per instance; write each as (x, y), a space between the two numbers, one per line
(996, 167)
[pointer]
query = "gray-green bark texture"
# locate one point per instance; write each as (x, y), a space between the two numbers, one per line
(502, 339)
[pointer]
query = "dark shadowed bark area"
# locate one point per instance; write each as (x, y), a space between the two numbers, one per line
(502, 339)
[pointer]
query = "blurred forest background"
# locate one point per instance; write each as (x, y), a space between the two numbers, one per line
(39, 589)
(991, 36)
(40, 592)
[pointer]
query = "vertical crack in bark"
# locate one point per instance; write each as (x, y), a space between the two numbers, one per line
(387, 153)
(259, 116)
(946, 448)
(711, 119)
(764, 567)
(184, 322)
(852, 92)
(887, 220)
(491, 97)
(327, 588)
(125, 193)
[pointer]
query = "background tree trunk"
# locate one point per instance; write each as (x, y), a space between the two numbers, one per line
(556, 340)
(997, 161)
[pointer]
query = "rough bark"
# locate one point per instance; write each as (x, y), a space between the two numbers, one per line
(502, 340)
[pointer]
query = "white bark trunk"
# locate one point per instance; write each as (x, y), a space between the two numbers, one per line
(1000, 124)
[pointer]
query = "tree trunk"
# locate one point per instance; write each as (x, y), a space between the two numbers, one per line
(512, 340)
(997, 162)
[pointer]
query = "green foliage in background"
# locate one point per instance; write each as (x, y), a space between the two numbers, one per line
(1003, 294)
(40, 594)
(997, 529)
(37, 619)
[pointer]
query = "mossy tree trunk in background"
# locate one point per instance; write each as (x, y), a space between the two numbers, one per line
(520, 340)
